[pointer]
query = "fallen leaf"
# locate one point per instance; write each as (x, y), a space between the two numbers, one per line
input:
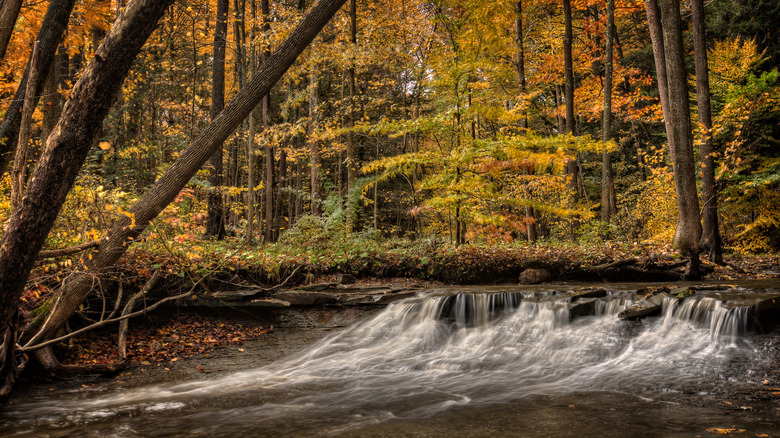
(725, 431)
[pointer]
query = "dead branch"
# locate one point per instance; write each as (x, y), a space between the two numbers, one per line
(62, 252)
(149, 284)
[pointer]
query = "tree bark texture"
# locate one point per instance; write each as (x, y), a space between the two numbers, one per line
(19, 172)
(314, 146)
(571, 165)
(184, 168)
(710, 238)
(52, 99)
(67, 147)
(608, 198)
(659, 56)
(50, 36)
(268, 150)
(688, 232)
(215, 222)
(351, 158)
(9, 12)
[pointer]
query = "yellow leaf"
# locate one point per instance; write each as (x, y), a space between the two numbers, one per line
(104, 145)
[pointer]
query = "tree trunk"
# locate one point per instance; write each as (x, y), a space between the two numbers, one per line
(67, 148)
(520, 64)
(608, 198)
(250, 141)
(184, 168)
(50, 36)
(688, 232)
(9, 12)
(268, 151)
(710, 238)
(19, 172)
(52, 104)
(351, 160)
(571, 165)
(215, 222)
(659, 55)
(314, 145)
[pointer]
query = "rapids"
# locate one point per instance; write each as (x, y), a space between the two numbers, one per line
(443, 363)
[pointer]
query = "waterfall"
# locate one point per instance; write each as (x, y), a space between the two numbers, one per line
(425, 355)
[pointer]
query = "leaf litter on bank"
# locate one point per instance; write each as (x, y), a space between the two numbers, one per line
(180, 338)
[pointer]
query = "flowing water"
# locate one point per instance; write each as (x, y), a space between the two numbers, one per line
(513, 363)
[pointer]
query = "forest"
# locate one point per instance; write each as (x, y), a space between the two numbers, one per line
(154, 150)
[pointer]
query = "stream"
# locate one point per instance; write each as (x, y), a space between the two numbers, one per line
(466, 363)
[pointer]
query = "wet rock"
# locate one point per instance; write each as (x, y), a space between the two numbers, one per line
(317, 287)
(646, 307)
(535, 276)
(639, 310)
(269, 302)
(589, 293)
(302, 298)
(683, 292)
(768, 303)
(235, 295)
(357, 300)
(582, 307)
(389, 298)
(345, 279)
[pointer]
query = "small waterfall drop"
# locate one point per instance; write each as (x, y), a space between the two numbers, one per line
(425, 355)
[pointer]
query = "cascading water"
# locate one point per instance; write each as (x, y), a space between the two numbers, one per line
(425, 358)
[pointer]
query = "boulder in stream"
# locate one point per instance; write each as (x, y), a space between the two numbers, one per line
(535, 276)
(649, 306)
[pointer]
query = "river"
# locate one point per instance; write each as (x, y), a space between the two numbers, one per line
(466, 363)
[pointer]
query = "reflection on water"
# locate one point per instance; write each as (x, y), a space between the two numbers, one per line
(443, 365)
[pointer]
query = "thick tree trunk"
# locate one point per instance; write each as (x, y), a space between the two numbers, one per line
(9, 12)
(67, 148)
(688, 232)
(170, 184)
(215, 223)
(608, 198)
(710, 238)
(50, 36)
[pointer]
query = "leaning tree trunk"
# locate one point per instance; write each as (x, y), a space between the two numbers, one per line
(688, 232)
(184, 168)
(215, 222)
(50, 36)
(9, 12)
(67, 148)
(710, 238)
